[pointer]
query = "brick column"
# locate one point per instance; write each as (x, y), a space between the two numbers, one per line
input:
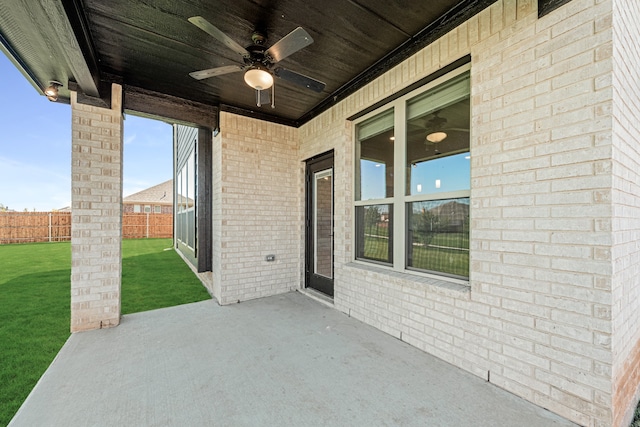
(96, 225)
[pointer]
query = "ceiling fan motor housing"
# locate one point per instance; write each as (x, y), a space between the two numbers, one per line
(258, 38)
(257, 56)
(436, 121)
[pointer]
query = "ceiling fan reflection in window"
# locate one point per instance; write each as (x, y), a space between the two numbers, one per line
(259, 62)
(438, 131)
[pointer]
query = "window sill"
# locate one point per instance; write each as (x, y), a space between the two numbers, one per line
(452, 287)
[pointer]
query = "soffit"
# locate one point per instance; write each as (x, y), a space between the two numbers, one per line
(150, 47)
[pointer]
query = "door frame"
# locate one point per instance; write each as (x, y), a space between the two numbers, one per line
(319, 160)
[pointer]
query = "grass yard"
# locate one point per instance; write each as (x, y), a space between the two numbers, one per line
(376, 248)
(34, 303)
(153, 277)
(458, 240)
(449, 261)
(446, 252)
(435, 257)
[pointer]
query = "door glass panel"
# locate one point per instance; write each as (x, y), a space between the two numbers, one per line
(323, 223)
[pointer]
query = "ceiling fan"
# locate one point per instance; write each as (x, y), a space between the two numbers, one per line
(437, 128)
(259, 61)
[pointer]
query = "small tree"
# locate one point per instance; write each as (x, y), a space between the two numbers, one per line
(427, 225)
(372, 217)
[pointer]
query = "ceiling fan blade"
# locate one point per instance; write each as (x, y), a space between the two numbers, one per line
(211, 72)
(291, 43)
(299, 79)
(213, 31)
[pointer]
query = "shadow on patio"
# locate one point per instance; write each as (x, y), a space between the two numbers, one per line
(279, 361)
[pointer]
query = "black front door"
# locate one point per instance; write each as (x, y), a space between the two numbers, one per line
(319, 223)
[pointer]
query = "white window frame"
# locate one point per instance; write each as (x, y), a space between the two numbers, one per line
(400, 199)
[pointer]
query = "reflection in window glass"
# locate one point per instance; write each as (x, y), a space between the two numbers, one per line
(179, 192)
(450, 173)
(323, 223)
(374, 235)
(438, 139)
(191, 180)
(374, 177)
(438, 236)
(375, 157)
(186, 198)
(185, 180)
(431, 149)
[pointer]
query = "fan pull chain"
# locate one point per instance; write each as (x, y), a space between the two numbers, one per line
(273, 96)
(258, 98)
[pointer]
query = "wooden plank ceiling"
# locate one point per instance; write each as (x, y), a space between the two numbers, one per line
(150, 46)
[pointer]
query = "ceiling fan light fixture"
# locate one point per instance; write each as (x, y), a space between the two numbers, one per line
(258, 78)
(436, 137)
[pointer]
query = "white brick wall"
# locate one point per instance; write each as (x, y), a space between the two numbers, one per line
(216, 232)
(551, 310)
(625, 168)
(96, 224)
(536, 317)
(258, 210)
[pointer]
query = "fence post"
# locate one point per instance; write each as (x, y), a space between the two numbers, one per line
(147, 225)
(50, 214)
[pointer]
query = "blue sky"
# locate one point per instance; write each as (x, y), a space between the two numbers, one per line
(35, 148)
(446, 174)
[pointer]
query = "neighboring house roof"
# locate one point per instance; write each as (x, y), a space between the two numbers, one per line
(161, 194)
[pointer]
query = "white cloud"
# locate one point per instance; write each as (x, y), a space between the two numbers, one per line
(129, 139)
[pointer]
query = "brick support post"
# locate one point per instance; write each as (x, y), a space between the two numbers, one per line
(96, 225)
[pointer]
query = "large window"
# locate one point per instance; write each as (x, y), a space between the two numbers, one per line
(413, 165)
(185, 203)
(374, 188)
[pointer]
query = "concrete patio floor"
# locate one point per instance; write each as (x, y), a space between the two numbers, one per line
(280, 361)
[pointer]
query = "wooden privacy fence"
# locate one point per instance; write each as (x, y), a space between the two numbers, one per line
(146, 225)
(22, 227)
(25, 227)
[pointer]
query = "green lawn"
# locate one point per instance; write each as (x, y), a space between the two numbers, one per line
(435, 257)
(153, 277)
(376, 248)
(445, 252)
(451, 261)
(458, 240)
(34, 303)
